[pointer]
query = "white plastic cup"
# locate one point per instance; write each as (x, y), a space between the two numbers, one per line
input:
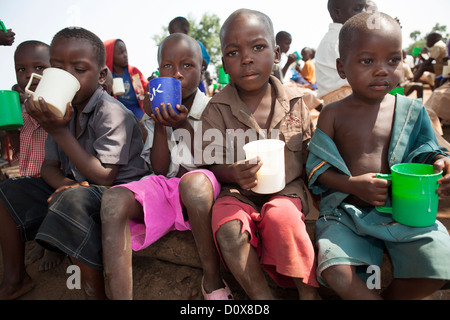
(446, 72)
(57, 87)
(118, 87)
(271, 175)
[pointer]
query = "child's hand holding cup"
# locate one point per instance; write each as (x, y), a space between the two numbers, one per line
(165, 90)
(57, 87)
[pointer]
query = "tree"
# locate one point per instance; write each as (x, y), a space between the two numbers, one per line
(420, 41)
(206, 31)
(415, 35)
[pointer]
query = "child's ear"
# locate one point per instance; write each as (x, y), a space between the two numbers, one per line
(103, 75)
(340, 68)
(336, 14)
(277, 54)
(224, 67)
(202, 70)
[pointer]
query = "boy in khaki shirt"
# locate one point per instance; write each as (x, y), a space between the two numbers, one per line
(253, 230)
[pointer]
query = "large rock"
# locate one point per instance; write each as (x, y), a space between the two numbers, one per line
(175, 247)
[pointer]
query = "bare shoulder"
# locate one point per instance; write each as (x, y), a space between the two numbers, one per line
(327, 117)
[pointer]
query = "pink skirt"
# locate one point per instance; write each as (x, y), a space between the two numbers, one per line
(162, 206)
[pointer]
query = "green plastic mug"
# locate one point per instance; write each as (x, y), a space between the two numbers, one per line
(10, 110)
(223, 77)
(414, 197)
(416, 51)
(398, 90)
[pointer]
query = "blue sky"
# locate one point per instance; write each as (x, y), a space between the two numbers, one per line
(136, 21)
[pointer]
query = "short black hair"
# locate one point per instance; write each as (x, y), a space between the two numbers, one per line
(181, 37)
(265, 19)
(282, 35)
(92, 38)
(32, 44)
(180, 23)
(359, 23)
(434, 37)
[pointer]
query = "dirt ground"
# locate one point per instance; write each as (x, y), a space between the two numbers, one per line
(157, 279)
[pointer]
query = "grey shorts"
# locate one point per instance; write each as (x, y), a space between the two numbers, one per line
(358, 236)
(70, 223)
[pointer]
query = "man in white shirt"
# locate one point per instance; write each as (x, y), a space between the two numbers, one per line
(330, 85)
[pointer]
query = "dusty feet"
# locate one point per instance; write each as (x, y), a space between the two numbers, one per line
(14, 291)
(212, 284)
(50, 259)
(34, 254)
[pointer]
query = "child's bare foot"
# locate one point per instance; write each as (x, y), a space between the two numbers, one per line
(34, 254)
(14, 291)
(50, 260)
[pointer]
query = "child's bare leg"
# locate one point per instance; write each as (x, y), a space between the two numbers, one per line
(198, 196)
(118, 207)
(305, 291)
(412, 289)
(242, 260)
(16, 280)
(92, 281)
(346, 283)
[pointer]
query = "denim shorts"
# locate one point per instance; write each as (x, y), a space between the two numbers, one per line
(70, 223)
(359, 236)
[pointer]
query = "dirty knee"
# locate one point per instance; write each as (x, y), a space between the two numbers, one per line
(338, 274)
(229, 236)
(196, 193)
(196, 185)
(115, 202)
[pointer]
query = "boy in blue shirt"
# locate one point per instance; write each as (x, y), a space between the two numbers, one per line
(134, 81)
(95, 145)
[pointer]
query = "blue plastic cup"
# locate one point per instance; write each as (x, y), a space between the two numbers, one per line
(165, 90)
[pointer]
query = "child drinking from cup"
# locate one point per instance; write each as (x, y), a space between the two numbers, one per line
(29, 143)
(30, 57)
(356, 138)
(134, 83)
(137, 214)
(95, 145)
(254, 230)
